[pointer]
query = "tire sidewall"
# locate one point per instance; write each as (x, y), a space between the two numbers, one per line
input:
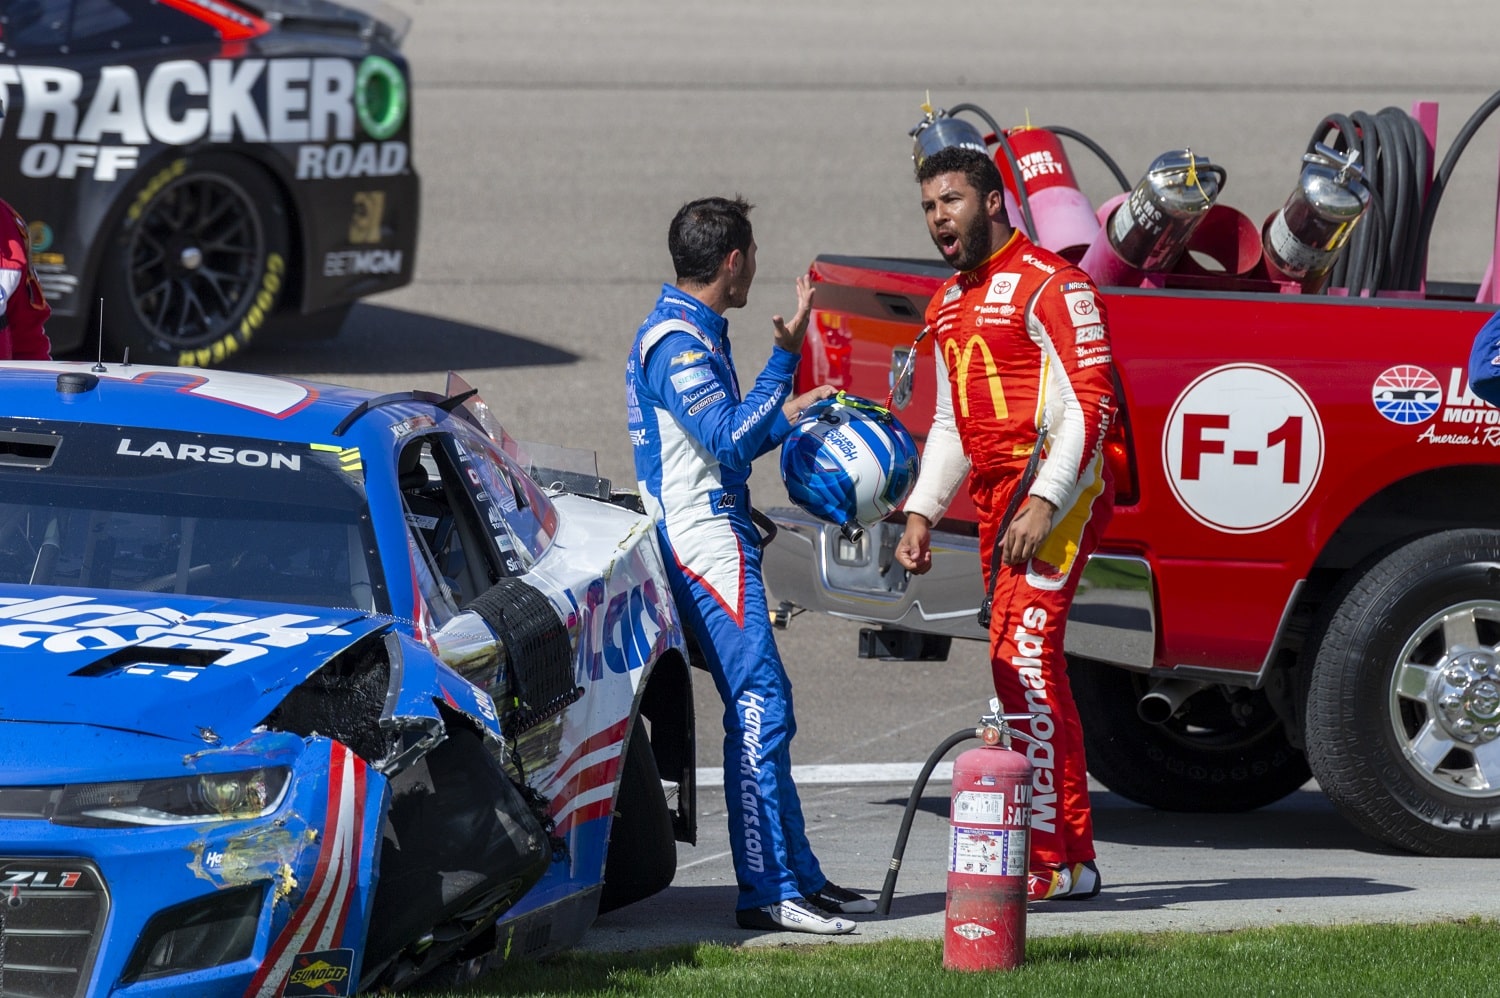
(124, 328)
(1350, 727)
(641, 858)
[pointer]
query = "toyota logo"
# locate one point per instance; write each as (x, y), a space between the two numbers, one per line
(1083, 306)
(1001, 286)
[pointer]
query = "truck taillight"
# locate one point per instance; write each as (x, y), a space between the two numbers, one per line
(1117, 455)
(826, 353)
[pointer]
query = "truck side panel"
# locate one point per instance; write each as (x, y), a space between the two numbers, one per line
(1258, 423)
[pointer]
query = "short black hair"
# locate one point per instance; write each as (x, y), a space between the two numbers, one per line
(702, 234)
(981, 171)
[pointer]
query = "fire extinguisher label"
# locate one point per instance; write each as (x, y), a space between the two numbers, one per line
(987, 852)
(1295, 257)
(979, 808)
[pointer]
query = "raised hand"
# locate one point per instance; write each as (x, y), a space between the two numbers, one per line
(790, 337)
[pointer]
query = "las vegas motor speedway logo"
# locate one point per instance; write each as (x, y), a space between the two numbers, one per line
(1410, 395)
(1406, 394)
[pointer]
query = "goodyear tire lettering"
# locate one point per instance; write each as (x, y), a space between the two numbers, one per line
(153, 187)
(264, 304)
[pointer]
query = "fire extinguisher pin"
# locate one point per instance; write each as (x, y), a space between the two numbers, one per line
(995, 728)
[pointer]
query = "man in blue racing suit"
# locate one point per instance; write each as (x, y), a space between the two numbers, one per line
(695, 437)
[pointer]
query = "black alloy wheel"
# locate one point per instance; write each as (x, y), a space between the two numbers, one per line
(200, 263)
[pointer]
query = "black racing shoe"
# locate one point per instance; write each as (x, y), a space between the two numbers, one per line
(838, 900)
(792, 915)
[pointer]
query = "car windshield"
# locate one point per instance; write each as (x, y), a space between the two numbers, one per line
(123, 508)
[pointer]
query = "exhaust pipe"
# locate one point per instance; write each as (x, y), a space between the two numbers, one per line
(1165, 698)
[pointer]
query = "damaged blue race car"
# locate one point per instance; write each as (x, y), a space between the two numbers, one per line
(307, 690)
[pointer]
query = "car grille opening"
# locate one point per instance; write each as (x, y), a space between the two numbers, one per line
(51, 915)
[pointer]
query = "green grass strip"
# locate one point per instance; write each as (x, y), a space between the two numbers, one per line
(1452, 959)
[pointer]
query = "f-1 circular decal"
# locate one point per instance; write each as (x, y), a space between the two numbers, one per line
(1243, 448)
(1407, 394)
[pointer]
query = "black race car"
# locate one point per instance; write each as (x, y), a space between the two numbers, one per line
(208, 169)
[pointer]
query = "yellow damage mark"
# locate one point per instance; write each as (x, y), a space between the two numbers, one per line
(252, 857)
(286, 882)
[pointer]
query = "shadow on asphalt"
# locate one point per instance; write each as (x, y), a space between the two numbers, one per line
(1303, 820)
(379, 340)
(692, 915)
(682, 915)
(1175, 893)
(1251, 890)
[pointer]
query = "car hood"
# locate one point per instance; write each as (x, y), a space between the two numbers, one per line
(199, 670)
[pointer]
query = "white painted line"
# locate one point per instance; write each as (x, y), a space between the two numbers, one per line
(872, 772)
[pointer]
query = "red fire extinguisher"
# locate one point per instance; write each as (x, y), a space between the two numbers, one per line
(989, 843)
(1065, 220)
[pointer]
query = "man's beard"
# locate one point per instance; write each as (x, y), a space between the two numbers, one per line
(974, 245)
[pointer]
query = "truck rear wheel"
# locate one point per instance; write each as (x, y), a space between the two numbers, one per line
(1403, 712)
(1225, 751)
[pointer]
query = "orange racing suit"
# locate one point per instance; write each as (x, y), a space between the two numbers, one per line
(1021, 342)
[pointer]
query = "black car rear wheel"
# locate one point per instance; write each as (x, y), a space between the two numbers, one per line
(198, 263)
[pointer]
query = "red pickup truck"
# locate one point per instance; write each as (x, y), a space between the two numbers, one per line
(1302, 575)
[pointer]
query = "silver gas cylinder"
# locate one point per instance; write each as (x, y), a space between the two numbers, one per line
(1303, 240)
(1151, 228)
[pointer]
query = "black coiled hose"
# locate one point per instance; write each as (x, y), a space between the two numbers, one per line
(1388, 249)
(1384, 252)
(1450, 160)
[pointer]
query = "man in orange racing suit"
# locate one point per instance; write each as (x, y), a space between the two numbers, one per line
(1023, 361)
(23, 308)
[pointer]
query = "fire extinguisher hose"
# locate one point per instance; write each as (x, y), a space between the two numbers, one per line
(1010, 159)
(883, 907)
(1096, 149)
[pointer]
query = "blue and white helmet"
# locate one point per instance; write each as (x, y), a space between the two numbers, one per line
(848, 461)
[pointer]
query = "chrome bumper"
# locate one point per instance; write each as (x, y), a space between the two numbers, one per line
(809, 564)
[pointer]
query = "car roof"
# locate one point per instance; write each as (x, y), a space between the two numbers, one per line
(201, 400)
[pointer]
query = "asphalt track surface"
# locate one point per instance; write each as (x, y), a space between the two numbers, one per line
(555, 140)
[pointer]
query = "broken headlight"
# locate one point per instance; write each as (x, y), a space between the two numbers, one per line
(181, 800)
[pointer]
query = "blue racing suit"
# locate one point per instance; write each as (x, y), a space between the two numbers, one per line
(1484, 361)
(694, 440)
